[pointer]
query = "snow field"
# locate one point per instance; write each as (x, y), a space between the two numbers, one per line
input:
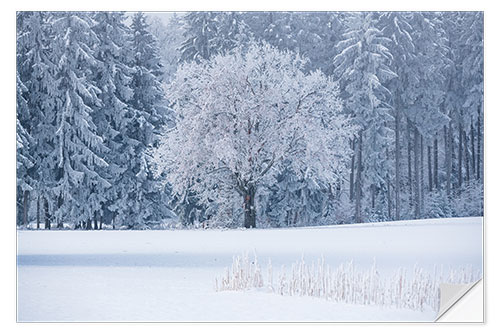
(169, 275)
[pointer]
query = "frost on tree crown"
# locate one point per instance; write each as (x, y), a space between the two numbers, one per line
(241, 115)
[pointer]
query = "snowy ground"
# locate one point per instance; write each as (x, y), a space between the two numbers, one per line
(169, 275)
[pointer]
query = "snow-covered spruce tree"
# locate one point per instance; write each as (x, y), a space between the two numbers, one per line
(472, 73)
(472, 118)
(113, 75)
(281, 30)
(426, 93)
(170, 38)
(199, 32)
(24, 159)
(211, 33)
(239, 116)
(362, 70)
(146, 203)
(312, 35)
(78, 183)
(463, 103)
(36, 68)
(469, 201)
(396, 27)
(454, 97)
(317, 35)
(292, 200)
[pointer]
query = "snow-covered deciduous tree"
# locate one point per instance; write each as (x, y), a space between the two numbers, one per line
(292, 200)
(239, 117)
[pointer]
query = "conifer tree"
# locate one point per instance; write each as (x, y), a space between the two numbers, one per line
(211, 33)
(362, 69)
(78, 144)
(146, 202)
(36, 73)
(113, 76)
(25, 161)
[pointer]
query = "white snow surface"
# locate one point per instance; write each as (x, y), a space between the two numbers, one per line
(169, 275)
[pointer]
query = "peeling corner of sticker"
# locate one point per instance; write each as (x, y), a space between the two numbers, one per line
(450, 294)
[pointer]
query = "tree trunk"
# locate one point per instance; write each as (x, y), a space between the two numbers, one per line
(100, 222)
(19, 207)
(478, 165)
(417, 172)
(25, 208)
(372, 187)
(447, 160)
(429, 166)
(47, 215)
(473, 149)
(467, 158)
(96, 226)
(398, 170)
(436, 176)
(388, 185)
(452, 155)
(460, 155)
(59, 224)
(410, 178)
(89, 224)
(357, 216)
(249, 204)
(421, 173)
(351, 179)
(38, 212)
(389, 202)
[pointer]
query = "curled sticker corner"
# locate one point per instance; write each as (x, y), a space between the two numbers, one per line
(450, 294)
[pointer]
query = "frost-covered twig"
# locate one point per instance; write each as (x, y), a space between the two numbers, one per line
(243, 274)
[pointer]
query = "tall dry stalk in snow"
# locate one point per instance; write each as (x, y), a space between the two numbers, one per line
(347, 283)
